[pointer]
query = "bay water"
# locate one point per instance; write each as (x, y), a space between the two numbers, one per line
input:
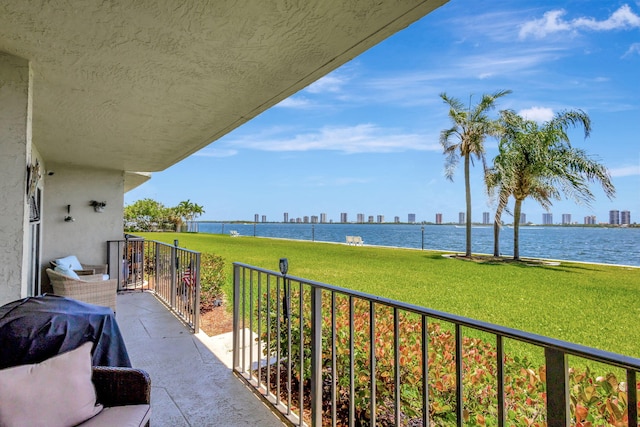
(609, 245)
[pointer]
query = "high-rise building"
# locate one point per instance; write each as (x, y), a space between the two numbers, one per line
(625, 217)
(360, 218)
(590, 220)
(286, 217)
(566, 219)
(485, 218)
(256, 217)
(461, 218)
(396, 219)
(264, 218)
(614, 217)
(547, 218)
(438, 218)
(305, 219)
(370, 218)
(323, 218)
(380, 219)
(523, 218)
(343, 217)
(411, 218)
(314, 219)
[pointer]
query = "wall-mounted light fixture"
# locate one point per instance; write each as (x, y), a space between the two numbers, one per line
(98, 206)
(69, 218)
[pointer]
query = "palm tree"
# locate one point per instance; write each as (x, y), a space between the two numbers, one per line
(538, 161)
(471, 125)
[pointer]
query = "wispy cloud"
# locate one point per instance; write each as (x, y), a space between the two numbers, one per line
(634, 49)
(552, 22)
(625, 171)
(295, 102)
(362, 138)
(538, 114)
(213, 151)
(332, 83)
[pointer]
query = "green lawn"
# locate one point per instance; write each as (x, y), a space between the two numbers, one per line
(593, 305)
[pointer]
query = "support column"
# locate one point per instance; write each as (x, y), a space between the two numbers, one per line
(15, 155)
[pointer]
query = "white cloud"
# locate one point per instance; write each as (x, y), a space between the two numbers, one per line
(216, 152)
(332, 83)
(634, 49)
(363, 138)
(625, 171)
(549, 23)
(294, 102)
(538, 114)
(553, 22)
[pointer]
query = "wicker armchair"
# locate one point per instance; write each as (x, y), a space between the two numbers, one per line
(91, 288)
(121, 386)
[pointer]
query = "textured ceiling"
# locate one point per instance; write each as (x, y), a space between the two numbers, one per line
(140, 85)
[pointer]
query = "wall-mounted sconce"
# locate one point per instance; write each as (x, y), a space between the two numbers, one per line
(69, 218)
(98, 206)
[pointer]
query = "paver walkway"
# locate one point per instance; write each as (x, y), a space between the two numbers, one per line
(190, 385)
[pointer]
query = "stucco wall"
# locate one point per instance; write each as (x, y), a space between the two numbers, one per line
(15, 150)
(85, 237)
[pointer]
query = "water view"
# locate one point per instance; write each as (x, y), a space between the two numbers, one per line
(588, 244)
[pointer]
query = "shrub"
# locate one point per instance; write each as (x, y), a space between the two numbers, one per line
(212, 279)
(595, 401)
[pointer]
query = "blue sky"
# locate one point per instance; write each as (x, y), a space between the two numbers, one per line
(365, 138)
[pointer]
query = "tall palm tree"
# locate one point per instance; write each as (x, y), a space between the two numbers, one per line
(470, 126)
(538, 161)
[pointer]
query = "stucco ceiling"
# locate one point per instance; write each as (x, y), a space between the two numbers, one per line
(140, 85)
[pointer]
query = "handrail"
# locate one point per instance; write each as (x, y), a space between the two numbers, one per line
(257, 290)
(172, 273)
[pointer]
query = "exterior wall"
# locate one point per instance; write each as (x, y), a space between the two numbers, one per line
(15, 153)
(86, 236)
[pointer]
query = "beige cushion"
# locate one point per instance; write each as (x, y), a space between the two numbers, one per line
(121, 416)
(56, 392)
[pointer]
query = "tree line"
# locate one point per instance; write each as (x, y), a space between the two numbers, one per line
(535, 160)
(151, 215)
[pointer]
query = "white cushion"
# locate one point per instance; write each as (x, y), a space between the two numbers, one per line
(121, 416)
(67, 271)
(70, 261)
(55, 393)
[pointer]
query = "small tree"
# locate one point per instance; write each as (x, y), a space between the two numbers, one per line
(538, 161)
(471, 125)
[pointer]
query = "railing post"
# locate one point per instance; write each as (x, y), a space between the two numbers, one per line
(558, 412)
(196, 303)
(316, 357)
(174, 277)
(236, 316)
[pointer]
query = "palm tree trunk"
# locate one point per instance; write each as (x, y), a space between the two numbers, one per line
(467, 186)
(516, 228)
(496, 227)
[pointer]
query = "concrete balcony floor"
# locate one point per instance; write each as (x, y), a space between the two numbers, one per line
(190, 385)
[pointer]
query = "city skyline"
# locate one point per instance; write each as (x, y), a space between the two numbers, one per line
(623, 217)
(365, 138)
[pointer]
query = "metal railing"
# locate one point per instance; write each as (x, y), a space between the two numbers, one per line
(171, 272)
(323, 355)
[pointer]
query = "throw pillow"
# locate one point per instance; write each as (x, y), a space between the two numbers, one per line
(70, 261)
(55, 393)
(67, 271)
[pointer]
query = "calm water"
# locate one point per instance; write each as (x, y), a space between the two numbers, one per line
(591, 244)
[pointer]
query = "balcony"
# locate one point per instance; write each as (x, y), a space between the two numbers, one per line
(190, 385)
(366, 360)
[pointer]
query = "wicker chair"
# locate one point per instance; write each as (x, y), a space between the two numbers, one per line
(121, 386)
(91, 288)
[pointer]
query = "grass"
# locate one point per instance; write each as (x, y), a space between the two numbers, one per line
(593, 305)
